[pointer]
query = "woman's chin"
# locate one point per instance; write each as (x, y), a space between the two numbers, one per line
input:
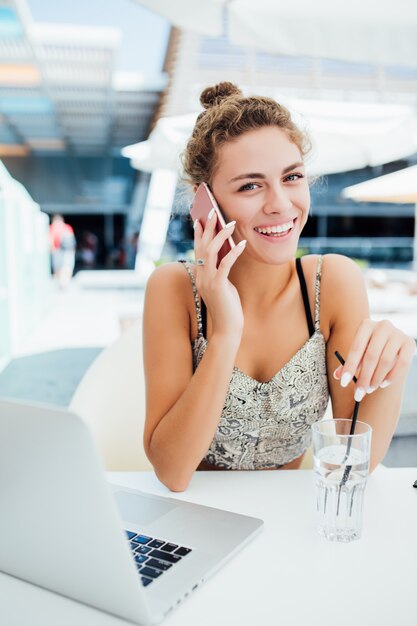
(276, 255)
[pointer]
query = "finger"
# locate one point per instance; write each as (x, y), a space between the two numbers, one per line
(230, 258)
(204, 235)
(356, 352)
(377, 354)
(402, 363)
(374, 372)
(209, 228)
(386, 361)
(216, 244)
(337, 374)
(198, 234)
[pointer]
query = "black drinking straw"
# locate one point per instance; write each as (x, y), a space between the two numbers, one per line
(356, 409)
(352, 426)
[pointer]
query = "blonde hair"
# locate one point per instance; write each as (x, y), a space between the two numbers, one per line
(228, 115)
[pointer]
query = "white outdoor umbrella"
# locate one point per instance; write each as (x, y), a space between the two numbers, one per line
(370, 31)
(398, 187)
(163, 148)
(345, 136)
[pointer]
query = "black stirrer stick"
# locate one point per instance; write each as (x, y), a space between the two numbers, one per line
(356, 409)
(352, 426)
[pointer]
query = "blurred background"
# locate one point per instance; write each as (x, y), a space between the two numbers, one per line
(97, 100)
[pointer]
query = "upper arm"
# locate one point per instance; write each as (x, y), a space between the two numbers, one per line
(167, 349)
(345, 301)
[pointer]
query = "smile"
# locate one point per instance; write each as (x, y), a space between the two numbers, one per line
(277, 231)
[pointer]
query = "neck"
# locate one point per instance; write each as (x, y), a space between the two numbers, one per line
(260, 284)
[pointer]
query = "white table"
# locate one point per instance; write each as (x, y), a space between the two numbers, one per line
(288, 575)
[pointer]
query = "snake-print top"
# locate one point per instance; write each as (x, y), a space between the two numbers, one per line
(267, 425)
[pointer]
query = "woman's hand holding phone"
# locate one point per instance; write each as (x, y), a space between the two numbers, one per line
(220, 296)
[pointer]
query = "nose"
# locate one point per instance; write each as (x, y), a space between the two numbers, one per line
(277, 199)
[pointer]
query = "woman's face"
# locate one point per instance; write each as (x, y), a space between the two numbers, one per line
(260, 182)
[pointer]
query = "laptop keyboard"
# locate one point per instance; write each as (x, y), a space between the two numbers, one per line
(153, 557)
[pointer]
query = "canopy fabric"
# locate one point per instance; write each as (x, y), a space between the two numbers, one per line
(376, 31)
(398, 187)
(204, 17)
(163, 148)
(345, 136)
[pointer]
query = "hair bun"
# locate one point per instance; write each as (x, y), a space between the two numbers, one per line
(211, 96)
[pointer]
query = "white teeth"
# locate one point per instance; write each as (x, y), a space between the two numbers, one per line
(282, 228)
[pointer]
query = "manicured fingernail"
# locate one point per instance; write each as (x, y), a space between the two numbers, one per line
(195, 224)
(370, 389)
(210, 215)
(385, 383)
(345, 380)
(359, 394)
(336, 373)
(242, 243)
(230, 224)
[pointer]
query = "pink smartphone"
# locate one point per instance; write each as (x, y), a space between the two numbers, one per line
(201, 206)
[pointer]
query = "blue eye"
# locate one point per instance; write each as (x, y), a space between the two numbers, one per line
(292, 177)
(248, 187)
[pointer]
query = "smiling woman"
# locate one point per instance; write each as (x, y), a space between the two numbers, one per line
(239, 354)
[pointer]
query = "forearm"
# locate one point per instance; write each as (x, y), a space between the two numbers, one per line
(183, 435)
(381, 410)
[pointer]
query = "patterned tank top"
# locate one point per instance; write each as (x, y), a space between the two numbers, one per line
(267, 425)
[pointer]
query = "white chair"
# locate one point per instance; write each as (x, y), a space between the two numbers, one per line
(111, 399)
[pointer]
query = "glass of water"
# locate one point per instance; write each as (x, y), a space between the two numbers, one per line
(341, 467)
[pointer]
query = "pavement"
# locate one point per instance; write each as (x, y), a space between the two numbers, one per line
(80, 322)
(88, 314)
(49, 377)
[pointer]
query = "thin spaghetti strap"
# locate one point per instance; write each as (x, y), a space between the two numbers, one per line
(196, 298)
(317, 294)
(304, 293)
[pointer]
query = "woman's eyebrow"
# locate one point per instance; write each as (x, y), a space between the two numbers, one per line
(262, 176)
(292, 167)
(251, 175)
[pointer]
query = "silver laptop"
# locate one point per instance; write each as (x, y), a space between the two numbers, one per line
(63, 527)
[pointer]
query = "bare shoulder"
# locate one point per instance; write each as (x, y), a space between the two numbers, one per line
(169, 277)
(339, 268)
(338, 263)
(343, 288)
(334, 267)
(169, 296)
(171, 283)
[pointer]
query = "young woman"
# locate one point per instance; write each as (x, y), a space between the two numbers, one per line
(239, 359)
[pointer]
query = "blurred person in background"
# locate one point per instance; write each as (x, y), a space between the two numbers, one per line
(88, 250)
(63, 244)
(132, 250)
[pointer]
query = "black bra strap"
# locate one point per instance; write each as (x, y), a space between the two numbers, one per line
(204, 318)
(304, 293)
